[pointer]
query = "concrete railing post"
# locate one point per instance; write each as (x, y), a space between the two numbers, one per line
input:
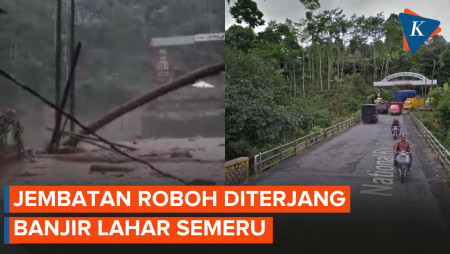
(295, 146)
(280, 153)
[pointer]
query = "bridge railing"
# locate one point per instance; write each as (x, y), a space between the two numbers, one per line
(441, 151)
(267, 159)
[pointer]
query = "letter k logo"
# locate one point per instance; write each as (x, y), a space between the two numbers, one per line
(417, 29)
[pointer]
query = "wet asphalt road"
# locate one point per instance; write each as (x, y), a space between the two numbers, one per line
(413, 217)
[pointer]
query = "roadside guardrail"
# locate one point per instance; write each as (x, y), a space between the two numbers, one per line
(441, 151)
(267, 159)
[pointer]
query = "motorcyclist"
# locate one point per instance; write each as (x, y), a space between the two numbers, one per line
(395, 122)
(402, 145)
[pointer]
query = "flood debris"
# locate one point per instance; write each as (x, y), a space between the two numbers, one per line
(68, 150)
(9, 155)
(109, 168)
(181, 153)
(27, 174)
(90, 140)
(202, 182)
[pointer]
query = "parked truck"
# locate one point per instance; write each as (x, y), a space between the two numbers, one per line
(402, 95)
(414, 103)
(383, 106)
(369, 113)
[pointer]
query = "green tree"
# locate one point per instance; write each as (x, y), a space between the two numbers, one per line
(311, 4)
(259, 112)
(247, 11)
(239, 37)
(376, 31)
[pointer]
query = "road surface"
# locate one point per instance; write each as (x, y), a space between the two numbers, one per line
(386, 215)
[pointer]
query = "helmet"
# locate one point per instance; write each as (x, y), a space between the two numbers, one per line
(403, 135)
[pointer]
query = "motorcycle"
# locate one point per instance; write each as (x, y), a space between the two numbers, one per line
(395, 132)
(403, 160)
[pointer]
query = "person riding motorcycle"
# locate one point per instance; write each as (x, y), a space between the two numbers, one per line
(395, 122)
(402, 145)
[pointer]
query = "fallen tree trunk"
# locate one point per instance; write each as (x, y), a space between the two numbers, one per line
(184, 80)
(77, 122)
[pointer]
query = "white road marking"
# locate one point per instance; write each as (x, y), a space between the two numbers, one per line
(382, 176)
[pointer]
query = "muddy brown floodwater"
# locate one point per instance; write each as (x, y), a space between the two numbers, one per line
(187, 158)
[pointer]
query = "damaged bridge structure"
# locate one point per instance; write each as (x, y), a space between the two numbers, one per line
(127, 162)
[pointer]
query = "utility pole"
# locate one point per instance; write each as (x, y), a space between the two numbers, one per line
(72, 52)
(58, 56)
(432, 78)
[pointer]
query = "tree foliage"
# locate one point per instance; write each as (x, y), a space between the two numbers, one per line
(258, 111)
(311, 4)
(247, 11)
(239, 37)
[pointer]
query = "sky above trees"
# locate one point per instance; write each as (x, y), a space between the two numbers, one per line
(294, 10)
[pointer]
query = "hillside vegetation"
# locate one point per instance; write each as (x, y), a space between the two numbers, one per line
(438, 120)
(301, 75)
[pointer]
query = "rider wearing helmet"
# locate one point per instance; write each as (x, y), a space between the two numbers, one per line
(395, 122)
(402, 145)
